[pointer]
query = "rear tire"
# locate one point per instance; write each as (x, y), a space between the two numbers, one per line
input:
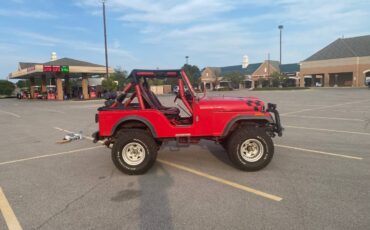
(134, 152)
(250, 149)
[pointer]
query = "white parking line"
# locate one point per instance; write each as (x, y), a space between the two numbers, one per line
(222, 181)
(326, 130)
(324, 107)
(67, 131)
(52, 110)
(8, 213)
(348, 111)
(320, 152)
(50, 155)
(328, 118)
(12, 114)
(87, 101)
(89, 106)
(86, 137)
(293, 105)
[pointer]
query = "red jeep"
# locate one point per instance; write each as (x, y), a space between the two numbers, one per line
(137, 124)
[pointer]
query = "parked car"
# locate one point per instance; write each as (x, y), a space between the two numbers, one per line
(137, 125)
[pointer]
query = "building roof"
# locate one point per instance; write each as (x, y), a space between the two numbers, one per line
(71, 62)
(275, 64)
(31, 69)
(62, 61)
(25, 65)
(290, 68)
(344, 48)
(239, 69)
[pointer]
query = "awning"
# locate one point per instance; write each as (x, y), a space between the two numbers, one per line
(307, 76)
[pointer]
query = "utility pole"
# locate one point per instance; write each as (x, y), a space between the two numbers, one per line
(281, 30)
(105, 40)
(268, 64)
(268, 69)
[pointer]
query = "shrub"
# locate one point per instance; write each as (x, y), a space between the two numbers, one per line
(6, 87)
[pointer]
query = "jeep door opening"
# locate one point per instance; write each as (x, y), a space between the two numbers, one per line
(137, 124)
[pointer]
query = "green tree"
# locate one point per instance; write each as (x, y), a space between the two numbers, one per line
(235, 78)
(23, 83)
(6, 87)
(119, 75)
(109, 84)
(277, 79)
(193, 73)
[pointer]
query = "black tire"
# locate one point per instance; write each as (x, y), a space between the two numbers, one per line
(223, 143)
(250, 148)
(134, 152)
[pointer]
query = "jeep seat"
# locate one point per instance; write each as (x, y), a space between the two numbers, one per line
(151, 101)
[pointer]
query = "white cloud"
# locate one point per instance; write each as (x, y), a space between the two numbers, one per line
(72, 28)
(185, 12)
(26, 13)
(216, 32)
(46, 40)
(37, 37)
(163, 12)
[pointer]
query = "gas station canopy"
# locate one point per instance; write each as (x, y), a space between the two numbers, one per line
(60, 66)
(58, 72)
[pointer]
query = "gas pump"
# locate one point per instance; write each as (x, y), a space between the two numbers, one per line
(24, 93)
(36, 92)
(51, 89)
(92, 90)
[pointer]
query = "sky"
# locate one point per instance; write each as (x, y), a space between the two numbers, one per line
(160, 33)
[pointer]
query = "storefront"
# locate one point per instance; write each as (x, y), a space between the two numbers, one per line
(343, 63)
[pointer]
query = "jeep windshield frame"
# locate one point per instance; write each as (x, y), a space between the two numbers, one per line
(136, 74)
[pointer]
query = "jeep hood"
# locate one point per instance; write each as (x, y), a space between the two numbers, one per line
(231, 103)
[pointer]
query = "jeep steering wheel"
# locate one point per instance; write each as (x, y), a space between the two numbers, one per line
(177, 96)
(188, 96)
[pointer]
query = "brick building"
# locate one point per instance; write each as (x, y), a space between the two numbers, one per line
(344, 62)
(253, 73)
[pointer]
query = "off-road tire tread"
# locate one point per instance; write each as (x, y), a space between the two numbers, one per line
(239, 136)
(146, 140)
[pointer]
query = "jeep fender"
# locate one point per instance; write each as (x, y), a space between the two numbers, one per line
(134, 118)
(227, 129)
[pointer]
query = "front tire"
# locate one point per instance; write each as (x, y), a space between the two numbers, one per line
(134, 152)
(250, 149)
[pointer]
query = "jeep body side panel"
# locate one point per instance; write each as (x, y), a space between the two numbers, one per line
(206, 121)
(218, 114)
(155, 120)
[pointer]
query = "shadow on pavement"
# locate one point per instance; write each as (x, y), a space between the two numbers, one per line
(155, 211)
(217, 151)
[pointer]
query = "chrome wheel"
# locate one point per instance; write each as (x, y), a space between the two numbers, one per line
(251, 150)
(133, 153)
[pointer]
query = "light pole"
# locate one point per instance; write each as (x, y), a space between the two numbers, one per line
(105, 39)
(281, 30)
(187, 59)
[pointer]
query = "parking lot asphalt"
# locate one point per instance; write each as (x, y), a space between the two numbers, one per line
(320, 171)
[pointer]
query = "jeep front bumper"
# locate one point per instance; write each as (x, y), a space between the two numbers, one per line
(276, 126)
